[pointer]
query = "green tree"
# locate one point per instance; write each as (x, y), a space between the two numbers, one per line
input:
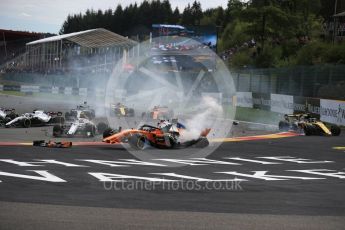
(196, 12)
(176, 16)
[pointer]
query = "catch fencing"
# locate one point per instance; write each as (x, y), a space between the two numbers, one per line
(323, 81)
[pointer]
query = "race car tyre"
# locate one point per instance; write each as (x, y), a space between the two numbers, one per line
(38, 143)
(335, 130)
(172, 141)
(61, 120)
(202, 143)
(57, 131)
(90, 131)
(108, 132)
(310, 130)
(307, 130)
(67, 116)
(283, 126)
(26, 123)
(137, 141)
(101, 127)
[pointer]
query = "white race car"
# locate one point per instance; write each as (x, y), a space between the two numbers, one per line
(79, 127)
(73, 114)
(36, 118)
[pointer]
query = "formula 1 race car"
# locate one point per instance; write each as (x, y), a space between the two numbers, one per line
(160, 113)
(120, 110)
(80, 127)
(307, 124)
(166, 136)
(85, 109)
(7, 115)
(36, 118)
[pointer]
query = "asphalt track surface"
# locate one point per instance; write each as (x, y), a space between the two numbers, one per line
(83, 202)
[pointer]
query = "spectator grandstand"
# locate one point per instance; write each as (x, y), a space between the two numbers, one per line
(12, 43)
(87, 53)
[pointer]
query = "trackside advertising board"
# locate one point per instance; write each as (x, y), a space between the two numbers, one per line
(332, 111)
(244, 99)
(262, 101)
(281, 103)
(307, 105)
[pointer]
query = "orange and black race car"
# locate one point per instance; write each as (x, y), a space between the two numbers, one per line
(166, 136)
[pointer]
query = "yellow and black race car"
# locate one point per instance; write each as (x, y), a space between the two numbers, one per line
(120, 110)
(309, 125)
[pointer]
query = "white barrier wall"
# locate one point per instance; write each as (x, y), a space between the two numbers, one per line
(244, 99)
(29, 89)
(83, 91)
(100, 92)
(68, 90)
(55, 90)
(332, 111)
(281, 103)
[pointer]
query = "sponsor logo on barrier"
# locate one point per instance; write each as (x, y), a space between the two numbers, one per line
(262, 101)
(282, 103)
(244, 99)
(333, 111)
(29, 89)
(307, 105)
(45, 89)
(11, 88)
